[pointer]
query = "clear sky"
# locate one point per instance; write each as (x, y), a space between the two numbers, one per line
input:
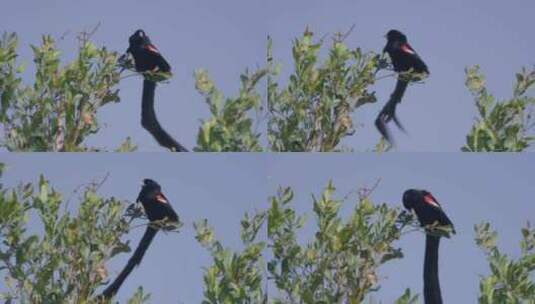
(226, 37)
(221, 187)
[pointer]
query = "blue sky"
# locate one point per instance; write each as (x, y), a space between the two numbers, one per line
(222, 187)
(227, 37)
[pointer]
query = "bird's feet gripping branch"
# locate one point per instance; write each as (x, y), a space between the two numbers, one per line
(410, 68)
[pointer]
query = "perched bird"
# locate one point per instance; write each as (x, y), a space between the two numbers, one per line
(426, 207)
(404, 59)
(428, 212)
(146, 55)
(157, 209)
(147, 58)
(156, 205)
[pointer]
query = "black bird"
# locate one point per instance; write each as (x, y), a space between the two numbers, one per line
(404, 59)
(146, 55)
(426, 207)
(147, 58)
(159, 210)
(428, 212)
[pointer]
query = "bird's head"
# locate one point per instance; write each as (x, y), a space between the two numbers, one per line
(395, 35)
(151, 184)
(139, 38)
(151, 191)
(411, 198)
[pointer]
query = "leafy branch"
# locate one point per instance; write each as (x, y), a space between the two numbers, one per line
(313, 111)
(502, 126)
(510, 281)
(57, 112)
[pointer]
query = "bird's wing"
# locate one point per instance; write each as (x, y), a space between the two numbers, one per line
(171, 214)
(406, 48)
(163, 65)
(431, 200)
(160, 198)
(151, 48)
(419, 64)
(443, 218)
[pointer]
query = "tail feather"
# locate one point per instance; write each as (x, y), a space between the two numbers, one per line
(398, 124)
(395, 98)
(150, 122)
(432, 294)
(380, 124)
(163, 64)
(135, 260)
(388, 112)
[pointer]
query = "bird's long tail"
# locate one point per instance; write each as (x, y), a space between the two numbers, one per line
(150, 122)
(135, 260)
(397, 95)
(432, 294)
(389, 110)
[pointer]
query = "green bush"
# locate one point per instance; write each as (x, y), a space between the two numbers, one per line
(231, 126)
(313, 110)
(509, 281)
(64, 261)
(339, 263)
(59, 110)
(501, 126)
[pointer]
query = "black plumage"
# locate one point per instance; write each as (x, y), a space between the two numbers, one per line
(147, 58)
(429, 212)
(426, 207)
(157, 208)
(156, 205)
(404, 59)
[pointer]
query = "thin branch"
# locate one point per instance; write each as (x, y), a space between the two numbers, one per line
(95, 184)
(339, 37)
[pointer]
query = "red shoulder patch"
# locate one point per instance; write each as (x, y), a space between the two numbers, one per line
(161, 199)
(407, 49)
(152, 48)
(428, 199)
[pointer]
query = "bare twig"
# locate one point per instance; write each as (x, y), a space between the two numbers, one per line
(341, 37)
(95, 184)
(363, 192)
(85, 36)
(385, 76)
